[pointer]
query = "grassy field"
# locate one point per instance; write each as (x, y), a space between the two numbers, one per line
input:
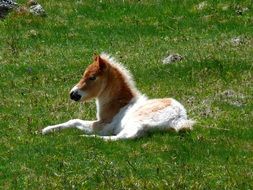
(42, 58)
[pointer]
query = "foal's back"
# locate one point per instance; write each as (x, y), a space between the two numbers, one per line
(162, 113)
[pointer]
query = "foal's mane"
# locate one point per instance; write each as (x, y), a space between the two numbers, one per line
(127, 76)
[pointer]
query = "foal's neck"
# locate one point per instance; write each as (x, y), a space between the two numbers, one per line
(116, 94)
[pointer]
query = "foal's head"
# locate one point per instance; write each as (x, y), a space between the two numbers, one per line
(92, 81)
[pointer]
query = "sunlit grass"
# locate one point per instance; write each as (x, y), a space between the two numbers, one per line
(42, 58)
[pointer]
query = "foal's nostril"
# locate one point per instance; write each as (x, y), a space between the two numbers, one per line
(71, 95)
(75, 96)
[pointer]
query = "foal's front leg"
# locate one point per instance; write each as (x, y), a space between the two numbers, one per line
(85, 126)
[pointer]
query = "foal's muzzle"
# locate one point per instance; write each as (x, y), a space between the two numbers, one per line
(75, 96)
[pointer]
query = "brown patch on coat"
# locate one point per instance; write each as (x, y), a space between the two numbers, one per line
(153, 106)
(116, 95)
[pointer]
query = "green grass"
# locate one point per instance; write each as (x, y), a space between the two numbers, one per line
(42, 58)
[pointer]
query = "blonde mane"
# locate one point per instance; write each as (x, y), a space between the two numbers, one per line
(128, 78)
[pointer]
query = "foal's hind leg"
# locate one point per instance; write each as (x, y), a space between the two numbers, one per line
(85, 126)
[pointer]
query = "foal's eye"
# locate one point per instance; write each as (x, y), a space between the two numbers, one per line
(92, 78)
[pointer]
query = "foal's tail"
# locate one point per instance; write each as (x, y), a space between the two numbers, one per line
(184, 125)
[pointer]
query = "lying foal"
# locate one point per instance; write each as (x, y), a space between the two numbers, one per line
(122, 111)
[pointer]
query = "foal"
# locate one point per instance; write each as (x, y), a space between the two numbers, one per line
(122, 111)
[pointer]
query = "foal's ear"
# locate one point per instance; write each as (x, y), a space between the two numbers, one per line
(101, 63)
(95, 57)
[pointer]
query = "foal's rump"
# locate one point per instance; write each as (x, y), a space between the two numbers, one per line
(163, 114)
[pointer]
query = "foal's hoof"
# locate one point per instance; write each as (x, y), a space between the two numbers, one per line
(46, 130)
